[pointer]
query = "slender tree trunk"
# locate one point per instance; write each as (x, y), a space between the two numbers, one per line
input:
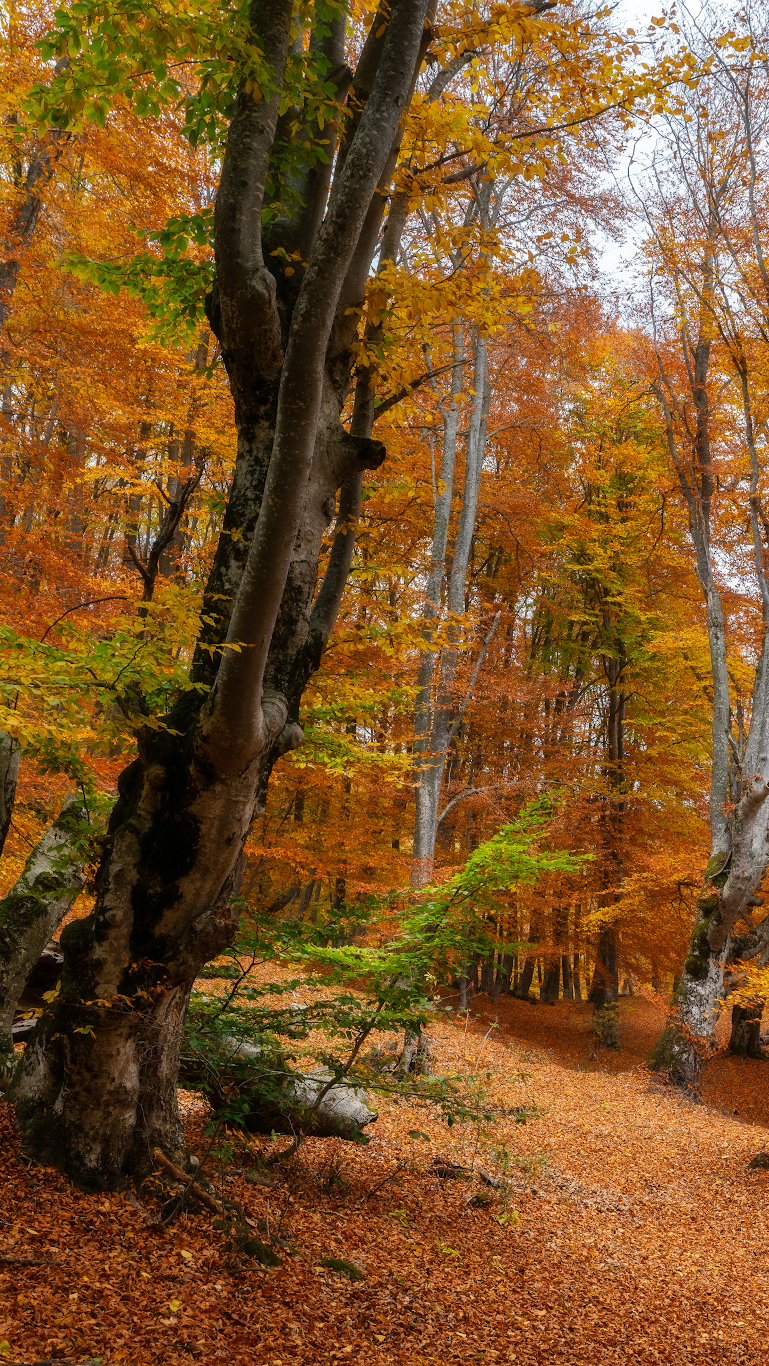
(433, 727)
(523, 985)
(551, 981)
(604, 991)
(576, 979)
(488, 974)
(10, 753)
(739, 781)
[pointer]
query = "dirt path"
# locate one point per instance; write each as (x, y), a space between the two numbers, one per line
(628, 1230)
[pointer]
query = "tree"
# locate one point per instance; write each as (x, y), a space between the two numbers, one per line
(705, 227)
(176, 835)
(303, 191)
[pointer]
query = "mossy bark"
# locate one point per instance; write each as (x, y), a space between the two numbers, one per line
(96, 1091)
(604, 991)
(689, 1036)
(745, 1038)
(31, 912)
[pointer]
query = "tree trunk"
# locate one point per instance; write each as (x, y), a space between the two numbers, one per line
(550, 982)
(576, 979)
(276, 1097)
(51, 881)
(745, 1037)
(689, 1035)
(739, 782)
(604, 991)
(505, 974)
(433, 728)
(9, 771)
(488, 974)
(523, 985)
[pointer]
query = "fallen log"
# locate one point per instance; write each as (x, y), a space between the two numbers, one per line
(273, 1098)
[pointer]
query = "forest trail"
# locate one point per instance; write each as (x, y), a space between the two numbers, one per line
(629, 1231)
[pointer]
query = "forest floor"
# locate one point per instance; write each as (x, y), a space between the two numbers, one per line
(628, 1230)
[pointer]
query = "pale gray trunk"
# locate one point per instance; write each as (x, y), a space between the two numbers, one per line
(51, 881)
(279, 1098)
(427, 793)
(434, 729)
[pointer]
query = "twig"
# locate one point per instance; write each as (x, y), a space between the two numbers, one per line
(491, 1027)
(285, 1152)
(114, 597)
(184, 1179)
(400, 1168)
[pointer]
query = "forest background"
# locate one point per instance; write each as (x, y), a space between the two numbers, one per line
(527, 631)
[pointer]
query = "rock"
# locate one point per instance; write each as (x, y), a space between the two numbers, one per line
(343, 1111)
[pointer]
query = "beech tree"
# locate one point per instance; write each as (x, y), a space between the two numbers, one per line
(706, 219)
(307, 153)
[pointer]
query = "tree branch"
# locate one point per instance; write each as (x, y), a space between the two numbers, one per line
(236, 729)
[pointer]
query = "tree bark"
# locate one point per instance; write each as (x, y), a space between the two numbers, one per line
(740, 766)
(551, 981)
(745, 1039)
(10, 753)
(604, 992)
(52, 879)
(278, 1098)
(97, 1089)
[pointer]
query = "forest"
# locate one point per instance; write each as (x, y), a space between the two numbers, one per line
(384, 681)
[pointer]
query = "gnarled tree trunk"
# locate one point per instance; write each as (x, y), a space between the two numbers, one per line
(97, 1089)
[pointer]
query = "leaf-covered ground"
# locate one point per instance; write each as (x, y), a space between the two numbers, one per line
(627, 1228)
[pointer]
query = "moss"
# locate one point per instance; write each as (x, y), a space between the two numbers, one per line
(696, 967)
(246, 1241)
(16, 911)
(697, 963)
(262, 1252)
(348, 1269)
(664, 1055)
